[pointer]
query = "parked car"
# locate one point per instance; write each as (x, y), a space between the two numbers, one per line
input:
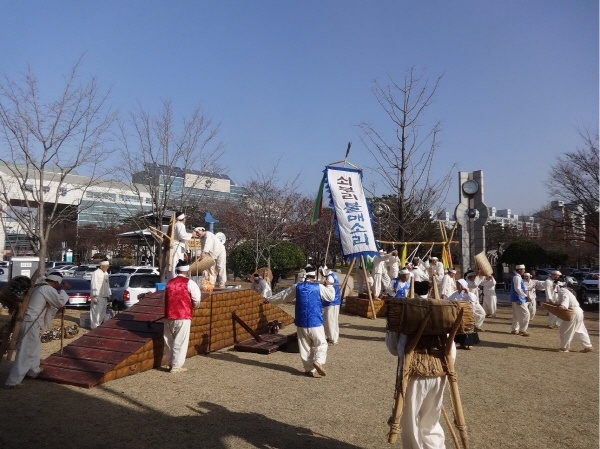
(589, 289)
(84, 271)
(79, 291)
(139, 269)
(126, 287)
(52, 265)
(64, 270)
(542, 274)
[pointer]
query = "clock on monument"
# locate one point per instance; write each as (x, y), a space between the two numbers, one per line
(470, 187)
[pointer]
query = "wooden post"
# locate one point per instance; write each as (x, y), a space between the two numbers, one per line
(62, 329)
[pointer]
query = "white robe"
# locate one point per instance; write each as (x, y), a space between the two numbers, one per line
(420, 423)
(551, 291)
(574, 329)
(180, 237)
(100, 292)
(490, 302)
(27, 359)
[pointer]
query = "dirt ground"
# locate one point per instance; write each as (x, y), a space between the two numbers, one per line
(517, 392)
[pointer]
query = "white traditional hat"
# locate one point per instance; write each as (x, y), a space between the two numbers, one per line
(105, 263)
(199, 228)
(526, 275)
(451, 270)
(182, 266)
(311, 274)
(556, 272)
(220, 236)
(180, 215)
(520, 267)
(403, 271)
(434, 258)
(54, 277)
(463, 283)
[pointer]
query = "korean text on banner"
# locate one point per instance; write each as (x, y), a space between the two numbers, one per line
(351, 212)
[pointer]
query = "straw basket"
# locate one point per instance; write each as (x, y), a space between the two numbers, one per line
(563, 314)
(483, 264)
(199, 265)
(405, 315)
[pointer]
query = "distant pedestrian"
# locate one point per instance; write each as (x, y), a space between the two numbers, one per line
(182, 295)
(100, 292)
(518, 299)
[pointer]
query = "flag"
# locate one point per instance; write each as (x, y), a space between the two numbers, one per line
(318, 207)
(403, 256)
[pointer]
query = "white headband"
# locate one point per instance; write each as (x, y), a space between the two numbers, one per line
(181, 217)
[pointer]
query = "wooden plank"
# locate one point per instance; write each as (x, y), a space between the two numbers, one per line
(92, 366)
(269, 344)
(119, 334)
(71, 377)
(96, 354)
(109, 344)
(143, 308)
(140, 327)
(126, 316)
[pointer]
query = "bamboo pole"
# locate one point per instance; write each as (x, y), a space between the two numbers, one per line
(364, 268)
(450, 428)
(416, 243)
(459, 417)
(329, 238)
(345, 282)
(62, 329)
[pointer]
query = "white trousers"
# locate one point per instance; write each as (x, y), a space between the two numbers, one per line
(312, 345)
(331, 315)
(177, 337)
(520, 316)
(377, 283)
(27, 359)
(574, 330)
(97, 311)
(553, 320)
(532, 307)
(217, 274)
(478, 314)
(420, 423)
(490, 304)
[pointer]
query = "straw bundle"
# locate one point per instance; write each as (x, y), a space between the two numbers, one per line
(404, 315)
(483, 264)
(563, 314)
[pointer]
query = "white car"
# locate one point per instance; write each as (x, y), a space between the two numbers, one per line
(84, 271)
(142, 269)
(126, 287)
(589, 289)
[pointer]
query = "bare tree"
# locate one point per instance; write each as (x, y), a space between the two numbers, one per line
(43, 142)
(405, 162)
(574, 179)
(268, 212)
(167, 160)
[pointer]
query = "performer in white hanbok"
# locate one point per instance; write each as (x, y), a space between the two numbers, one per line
(214, 246)
(574, 329)
(381, 280)
(551, 285)
(463, 294)
(180, 237)
(181, 296)
(261, 286)
(437, 271)
(531, 286)
(402, 289)
(448, 284)
(312, 342)
(518, 299)
(27, 360)
(100, 292)
(490, 302)
(331, 309)
(421, 279)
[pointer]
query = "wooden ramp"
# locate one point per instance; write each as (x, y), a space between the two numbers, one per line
(132, 341)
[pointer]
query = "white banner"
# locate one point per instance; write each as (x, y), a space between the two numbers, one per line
(351, 212)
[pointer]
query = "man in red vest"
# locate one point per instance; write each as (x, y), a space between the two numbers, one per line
(182, 295)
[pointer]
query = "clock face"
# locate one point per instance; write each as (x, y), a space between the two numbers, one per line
(470, 187)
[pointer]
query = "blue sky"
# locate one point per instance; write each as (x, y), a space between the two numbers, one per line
(290, 80)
